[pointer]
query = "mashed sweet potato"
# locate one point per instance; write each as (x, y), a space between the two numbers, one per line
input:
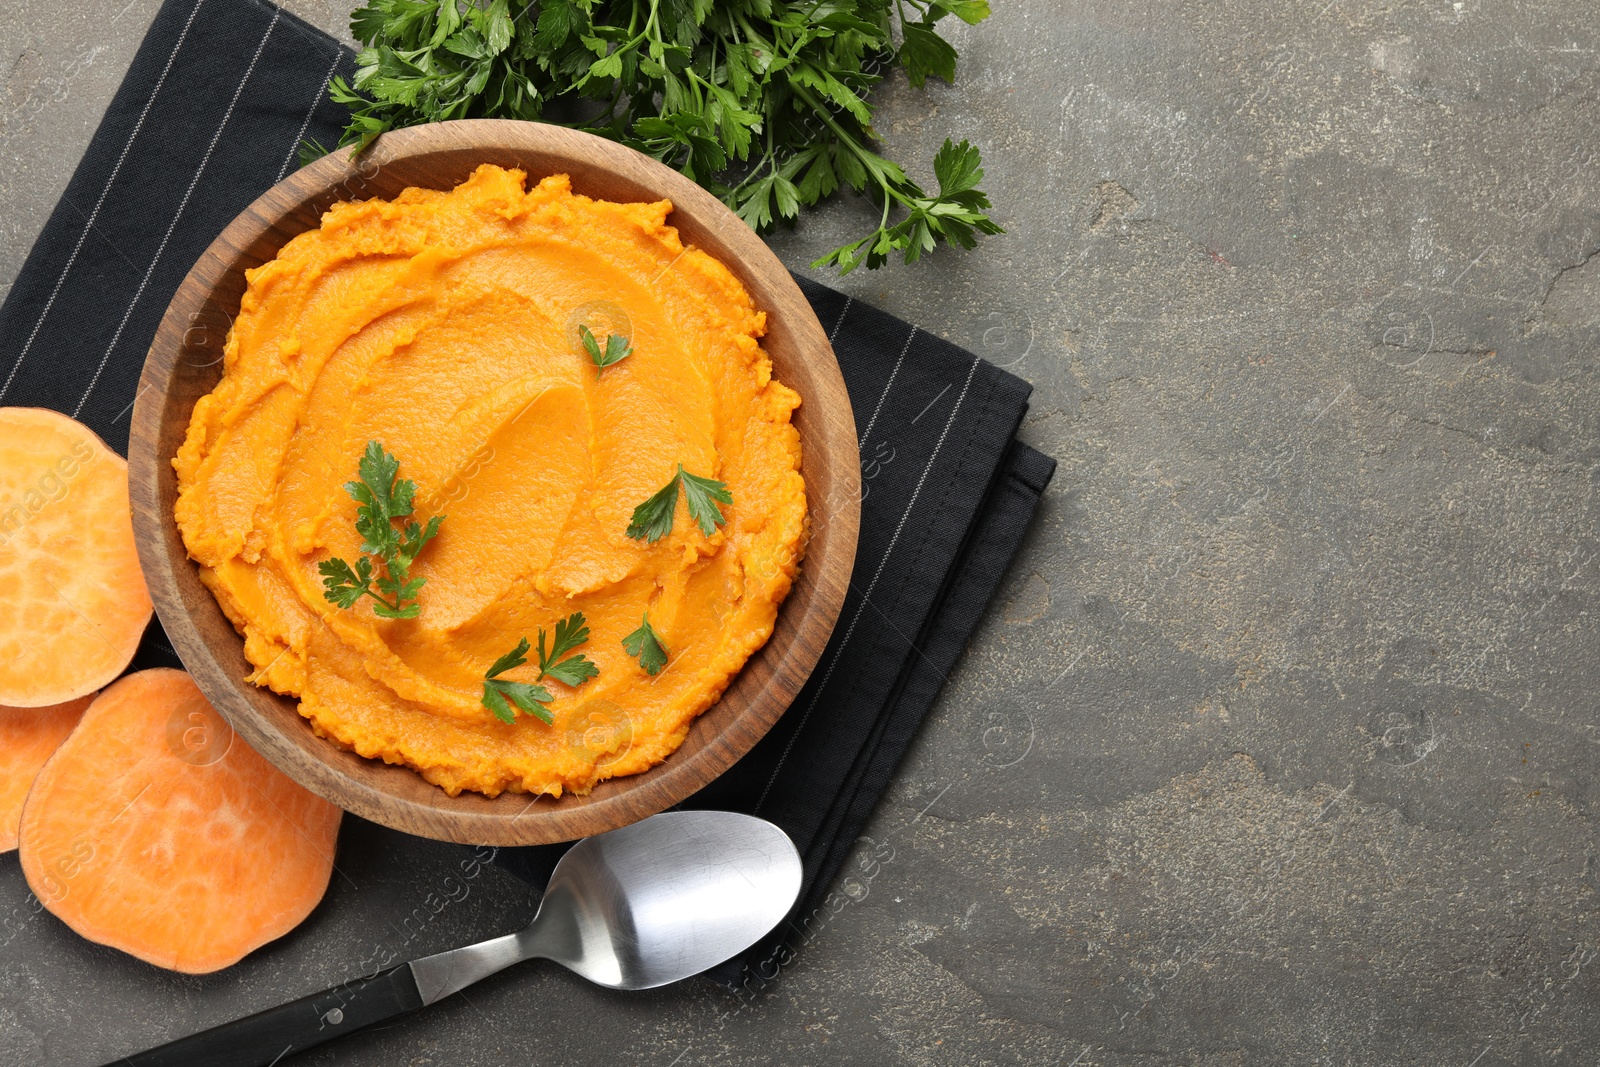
(445, 326)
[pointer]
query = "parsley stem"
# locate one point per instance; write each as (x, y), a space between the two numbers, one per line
(755, 38)
(392, 607)
(866, 156)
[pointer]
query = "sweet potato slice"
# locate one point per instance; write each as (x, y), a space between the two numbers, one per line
(27, 737)
(73, 603)
(154, 830)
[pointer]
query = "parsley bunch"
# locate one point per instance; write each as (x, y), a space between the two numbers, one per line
(764, 102)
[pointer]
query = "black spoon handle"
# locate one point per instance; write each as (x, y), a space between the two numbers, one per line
(266, 1037)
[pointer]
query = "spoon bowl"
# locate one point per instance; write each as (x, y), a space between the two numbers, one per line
(645, 905)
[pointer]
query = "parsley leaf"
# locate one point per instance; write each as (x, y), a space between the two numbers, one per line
(925, 53)
(344, 584)
(646, 644)
(575, 670)
(383, 571)
(767, 103)
(499, 695)
(617, 349)
(703, 495)
(653, 519)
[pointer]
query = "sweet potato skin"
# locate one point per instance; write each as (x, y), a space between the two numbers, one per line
(156, 831)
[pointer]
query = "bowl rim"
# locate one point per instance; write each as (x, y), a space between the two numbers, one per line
(467, 818)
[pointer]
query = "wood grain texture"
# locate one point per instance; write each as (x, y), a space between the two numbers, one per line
(185, 362)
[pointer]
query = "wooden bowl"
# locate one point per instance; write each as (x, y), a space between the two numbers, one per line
(185, 363)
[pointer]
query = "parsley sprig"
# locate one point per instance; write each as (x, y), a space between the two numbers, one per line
(617, 349)
(764, 102)
(956, 215)
(383, 570)
(573, 670)
(500, 695)
(653, 519)
(646, 644)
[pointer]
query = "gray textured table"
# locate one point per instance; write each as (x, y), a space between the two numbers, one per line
(1279, 746)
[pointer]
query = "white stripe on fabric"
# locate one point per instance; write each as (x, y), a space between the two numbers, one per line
(892, 376)
(294, 146)
(867, 596)
(842, 313)
(277, 13)
(104, 189)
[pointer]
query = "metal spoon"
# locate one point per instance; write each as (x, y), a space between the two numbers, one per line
(636, 908)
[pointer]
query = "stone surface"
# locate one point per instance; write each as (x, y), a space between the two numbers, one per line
(1279, 746)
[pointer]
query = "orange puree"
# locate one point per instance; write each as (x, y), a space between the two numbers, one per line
(444, 325)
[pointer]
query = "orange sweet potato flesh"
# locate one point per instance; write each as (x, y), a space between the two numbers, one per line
(73, 603)
(154, 830)
(27, 738)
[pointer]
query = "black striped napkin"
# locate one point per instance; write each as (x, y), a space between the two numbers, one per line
(220, 94)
